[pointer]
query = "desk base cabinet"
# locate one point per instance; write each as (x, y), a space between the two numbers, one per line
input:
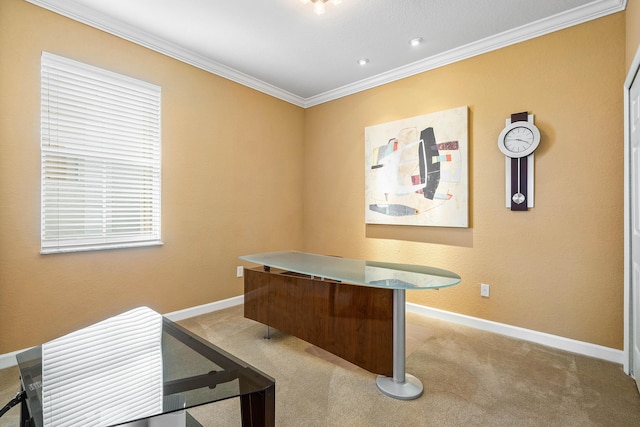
(353, 322)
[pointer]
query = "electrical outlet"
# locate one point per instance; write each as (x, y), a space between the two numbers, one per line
(239, 271)
(484, 290)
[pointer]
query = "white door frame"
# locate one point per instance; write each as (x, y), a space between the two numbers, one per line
(634, 72)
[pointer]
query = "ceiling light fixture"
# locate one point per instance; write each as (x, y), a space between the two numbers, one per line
(319, 5)
(416, 41)
(363, 61)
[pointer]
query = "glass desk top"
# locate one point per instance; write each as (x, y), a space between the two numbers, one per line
(368, 273)
(130, 367)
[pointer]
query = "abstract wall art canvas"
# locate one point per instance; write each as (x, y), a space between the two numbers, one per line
(416, 170)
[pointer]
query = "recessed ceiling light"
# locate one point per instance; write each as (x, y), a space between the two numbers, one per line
(319, 5)
(363, 61)
(416, 41)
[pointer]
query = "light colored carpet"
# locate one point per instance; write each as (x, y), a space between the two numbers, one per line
(470, 377)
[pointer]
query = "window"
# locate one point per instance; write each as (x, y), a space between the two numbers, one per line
(100, 158)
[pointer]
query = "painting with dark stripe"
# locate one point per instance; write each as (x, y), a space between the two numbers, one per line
(416, 170)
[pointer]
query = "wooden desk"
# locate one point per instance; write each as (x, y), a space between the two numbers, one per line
(350, 321)
(352, 308)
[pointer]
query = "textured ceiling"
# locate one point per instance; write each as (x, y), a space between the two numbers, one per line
(282, 48)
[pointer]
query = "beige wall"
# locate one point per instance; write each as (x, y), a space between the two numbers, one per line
(633, 29)
(244, 172)
(231, 185)
(557, 268)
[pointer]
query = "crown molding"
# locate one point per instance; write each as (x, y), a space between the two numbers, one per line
(535, 29)
(80, 13)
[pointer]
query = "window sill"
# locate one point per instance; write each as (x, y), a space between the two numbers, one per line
(99, 247)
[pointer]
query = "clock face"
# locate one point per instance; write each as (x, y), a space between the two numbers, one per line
(519, 139)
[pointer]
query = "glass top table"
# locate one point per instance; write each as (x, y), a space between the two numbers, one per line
(359, 272)
(132, 367)
(398, 277)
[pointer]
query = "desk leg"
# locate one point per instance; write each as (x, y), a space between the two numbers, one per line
(25, 416)
(259, 409)
(402, 386)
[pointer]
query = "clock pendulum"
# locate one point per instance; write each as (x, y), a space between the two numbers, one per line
(517, 141)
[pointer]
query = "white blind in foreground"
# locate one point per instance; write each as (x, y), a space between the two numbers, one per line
(100, 158)
(104, 374)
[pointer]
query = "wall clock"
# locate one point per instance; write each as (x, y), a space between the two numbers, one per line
(517, 141)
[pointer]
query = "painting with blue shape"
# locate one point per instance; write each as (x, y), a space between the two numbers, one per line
(416, 170)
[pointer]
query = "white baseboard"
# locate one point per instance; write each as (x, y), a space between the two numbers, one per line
(566, 344)
(574, 346)
(8, 360)
(205, 308)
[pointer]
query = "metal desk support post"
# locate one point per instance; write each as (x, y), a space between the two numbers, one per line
(402, 386)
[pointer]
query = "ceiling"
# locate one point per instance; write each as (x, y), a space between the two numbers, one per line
(282, 48)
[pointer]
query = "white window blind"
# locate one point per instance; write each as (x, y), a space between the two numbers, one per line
(100, 158)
